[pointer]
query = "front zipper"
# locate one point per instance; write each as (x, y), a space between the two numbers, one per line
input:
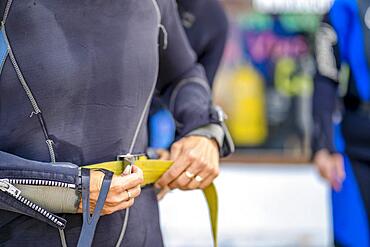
(39, 182)
(6, 185)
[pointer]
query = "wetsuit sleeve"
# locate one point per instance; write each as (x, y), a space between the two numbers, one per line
(211, 131)
(182, 81)
(207, 33)
(211, 56)
(325, 87)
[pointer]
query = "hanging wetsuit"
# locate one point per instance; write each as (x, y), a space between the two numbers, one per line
(342, 40)
(92, 66)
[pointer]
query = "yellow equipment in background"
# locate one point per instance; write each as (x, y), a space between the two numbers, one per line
(240, 91)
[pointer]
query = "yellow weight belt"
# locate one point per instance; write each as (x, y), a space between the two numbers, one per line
(153, 170)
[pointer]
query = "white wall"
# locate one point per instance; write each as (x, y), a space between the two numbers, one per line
(260, 205)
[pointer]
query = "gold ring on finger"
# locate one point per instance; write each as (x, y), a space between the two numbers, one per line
(189, 174)
(198, 179)
(129, 194)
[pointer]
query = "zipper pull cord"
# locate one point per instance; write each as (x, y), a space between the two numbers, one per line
(62, 236)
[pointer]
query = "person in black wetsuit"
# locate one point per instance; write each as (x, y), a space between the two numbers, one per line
(341, 39)
(92, 67)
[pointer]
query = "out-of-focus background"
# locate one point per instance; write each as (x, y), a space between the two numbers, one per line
(270, 194)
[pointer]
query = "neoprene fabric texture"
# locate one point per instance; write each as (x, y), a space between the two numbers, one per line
(207, 34)
(91, 66)
(54, 199)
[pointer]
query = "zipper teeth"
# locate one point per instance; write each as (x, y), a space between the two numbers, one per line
(40, 210)
(38, 182)
(11, 190)
(37, 110)
(49, 143)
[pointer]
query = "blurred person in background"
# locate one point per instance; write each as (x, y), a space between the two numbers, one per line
(342, 127)
(206, 26)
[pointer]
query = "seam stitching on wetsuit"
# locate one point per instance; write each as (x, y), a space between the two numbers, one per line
(147, 104)
(141, 120)
(6, 11)
(26, 88)
(165, 36)
(36, 109)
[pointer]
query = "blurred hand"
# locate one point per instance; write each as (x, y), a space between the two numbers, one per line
(163, 154)
(196, 164)
(331, 167)
(118, 197)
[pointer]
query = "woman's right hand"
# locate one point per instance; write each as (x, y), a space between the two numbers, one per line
(331, 167)
(118, 196)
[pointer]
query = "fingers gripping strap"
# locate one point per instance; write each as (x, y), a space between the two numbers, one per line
(153, 170)
(90, 222)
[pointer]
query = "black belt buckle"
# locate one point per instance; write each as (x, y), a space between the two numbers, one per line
(129, 157)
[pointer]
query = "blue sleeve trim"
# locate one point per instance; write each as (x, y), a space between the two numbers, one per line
(345, 17)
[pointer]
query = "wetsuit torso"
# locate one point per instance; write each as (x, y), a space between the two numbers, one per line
(90, 66)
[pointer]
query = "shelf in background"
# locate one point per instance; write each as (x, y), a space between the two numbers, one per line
(263, 157)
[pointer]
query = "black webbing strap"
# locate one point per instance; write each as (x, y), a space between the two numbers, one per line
(90, 222)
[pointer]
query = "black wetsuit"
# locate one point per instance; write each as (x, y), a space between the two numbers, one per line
(91, 65)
